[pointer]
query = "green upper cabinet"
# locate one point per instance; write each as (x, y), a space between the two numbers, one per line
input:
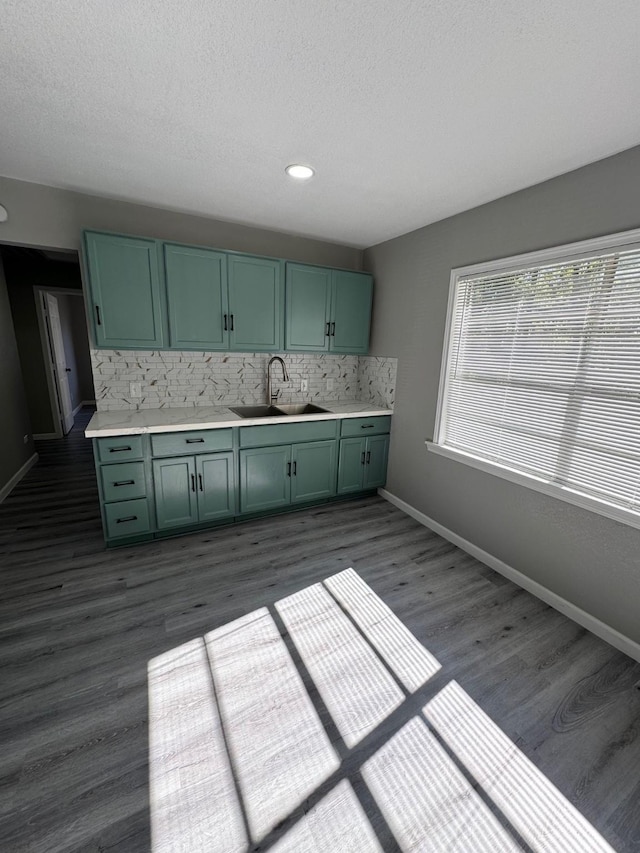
(256, 302)
(351, 312)
(308, 308)
(125, 291)
(196, 297)
(327, 310)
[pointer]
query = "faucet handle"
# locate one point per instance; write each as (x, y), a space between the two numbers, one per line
(275, 394)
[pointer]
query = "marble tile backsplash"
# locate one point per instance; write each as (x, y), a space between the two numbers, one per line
(180, 378)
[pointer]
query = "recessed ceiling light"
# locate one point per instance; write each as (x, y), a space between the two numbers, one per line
(302, 173)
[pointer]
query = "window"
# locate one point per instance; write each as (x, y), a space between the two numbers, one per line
(541, 373)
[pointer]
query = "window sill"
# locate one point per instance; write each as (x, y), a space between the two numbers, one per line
(563, 493)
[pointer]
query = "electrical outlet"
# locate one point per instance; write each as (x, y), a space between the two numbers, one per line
(330, 384)
(135, 389)
(25, 438)
(304, 384)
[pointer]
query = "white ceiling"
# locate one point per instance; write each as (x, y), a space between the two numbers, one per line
(409, 111)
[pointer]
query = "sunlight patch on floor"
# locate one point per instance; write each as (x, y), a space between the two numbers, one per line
(533, 805)
(239, 754)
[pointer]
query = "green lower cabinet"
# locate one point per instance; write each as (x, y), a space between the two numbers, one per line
(265, 478)
(174, 483)
(363, 463)
(190, 489)
(313, 471)
(375, 467)
(215, 473)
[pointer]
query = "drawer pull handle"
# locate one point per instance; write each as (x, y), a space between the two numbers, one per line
(195, 440)
(193, 482)
(367, 426)
(125, 483)
(128, 518)
(362, 458)
(118, 449)
(368, 457)
(200, 481)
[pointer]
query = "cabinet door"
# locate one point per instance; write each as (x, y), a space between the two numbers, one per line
(197, 298)
(351, 311)
(375, 469)
(174, 484)
(216, 486)
(313, 471)
(125, 291)
(351, 465)
(256, 303)
(265, 478)
(308, 306)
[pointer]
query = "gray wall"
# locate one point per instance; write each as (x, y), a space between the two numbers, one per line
(14, 419)
(590, 560)
(47, 217)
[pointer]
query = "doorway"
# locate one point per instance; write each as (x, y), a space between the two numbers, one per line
(49, 320)
(61, 322)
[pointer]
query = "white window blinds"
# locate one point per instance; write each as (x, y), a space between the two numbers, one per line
(542, 374)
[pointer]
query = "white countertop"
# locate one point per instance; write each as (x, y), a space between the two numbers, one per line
(179, 419)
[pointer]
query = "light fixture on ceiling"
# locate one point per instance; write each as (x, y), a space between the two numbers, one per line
(4, 213)
(301, 173)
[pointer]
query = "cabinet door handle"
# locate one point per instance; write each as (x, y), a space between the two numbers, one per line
(200, 482)
(225, 323)
(193, 482)
(328, 331)
(125, 483)
(127, 518)
(118, 449)
(194, 440)
(368, 457)
(362, 458)
(288, 469)
(295, 469)
(231, 322)
(98, 320)
(333, 330)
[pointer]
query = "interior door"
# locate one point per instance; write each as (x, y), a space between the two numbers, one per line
(56, 342)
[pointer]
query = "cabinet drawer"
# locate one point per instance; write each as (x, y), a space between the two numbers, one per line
(363, 427)
(260, 436)
(123, 482)
(126, 518)
(120, 448)
(201, 441)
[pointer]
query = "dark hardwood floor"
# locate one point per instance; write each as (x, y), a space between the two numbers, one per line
(79, 624)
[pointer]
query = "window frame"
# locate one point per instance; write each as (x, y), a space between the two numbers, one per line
(560, 253)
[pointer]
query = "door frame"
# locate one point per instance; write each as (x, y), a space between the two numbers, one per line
(48, 355)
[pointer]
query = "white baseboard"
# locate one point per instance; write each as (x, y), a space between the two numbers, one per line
(13, 482)
(591, 623)
(43, 436)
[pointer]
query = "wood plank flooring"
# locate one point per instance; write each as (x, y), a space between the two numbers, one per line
(79, 624)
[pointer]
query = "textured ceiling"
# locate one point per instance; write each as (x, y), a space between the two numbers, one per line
(409, 110)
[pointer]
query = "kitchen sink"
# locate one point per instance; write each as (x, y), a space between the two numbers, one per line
(301, 409)
(265, 411)
(256, 411)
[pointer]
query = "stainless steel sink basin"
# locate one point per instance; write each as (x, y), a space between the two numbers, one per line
(301, 409)
(263, 411)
